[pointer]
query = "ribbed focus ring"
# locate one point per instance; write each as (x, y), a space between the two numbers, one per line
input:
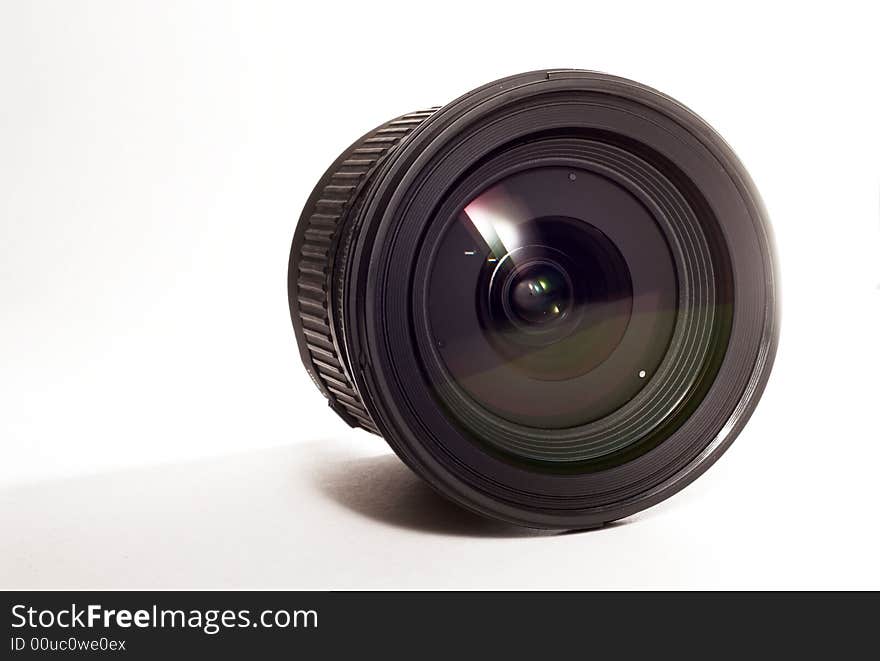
(321, 227)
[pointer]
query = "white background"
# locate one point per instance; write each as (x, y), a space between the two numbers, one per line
(156, 426)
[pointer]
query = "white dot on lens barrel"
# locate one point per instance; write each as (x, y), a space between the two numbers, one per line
(572, 176)
(642, 374)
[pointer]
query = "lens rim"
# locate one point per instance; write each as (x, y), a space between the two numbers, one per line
(380, 315)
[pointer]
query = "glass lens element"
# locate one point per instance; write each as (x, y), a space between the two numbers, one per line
(551, 299)
(539, 294)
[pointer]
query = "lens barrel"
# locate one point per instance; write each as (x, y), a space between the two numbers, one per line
(555, 297)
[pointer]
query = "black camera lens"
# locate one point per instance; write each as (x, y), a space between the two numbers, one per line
(555, 297)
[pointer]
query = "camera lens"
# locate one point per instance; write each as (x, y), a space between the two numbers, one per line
(554, 297)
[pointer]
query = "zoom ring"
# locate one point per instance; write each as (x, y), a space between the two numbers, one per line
(324, 225)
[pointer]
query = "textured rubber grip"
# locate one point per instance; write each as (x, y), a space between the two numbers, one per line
(322, 226)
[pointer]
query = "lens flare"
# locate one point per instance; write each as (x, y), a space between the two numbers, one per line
(496, 219)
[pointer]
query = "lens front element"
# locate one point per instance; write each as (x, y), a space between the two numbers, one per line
(532, 303)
